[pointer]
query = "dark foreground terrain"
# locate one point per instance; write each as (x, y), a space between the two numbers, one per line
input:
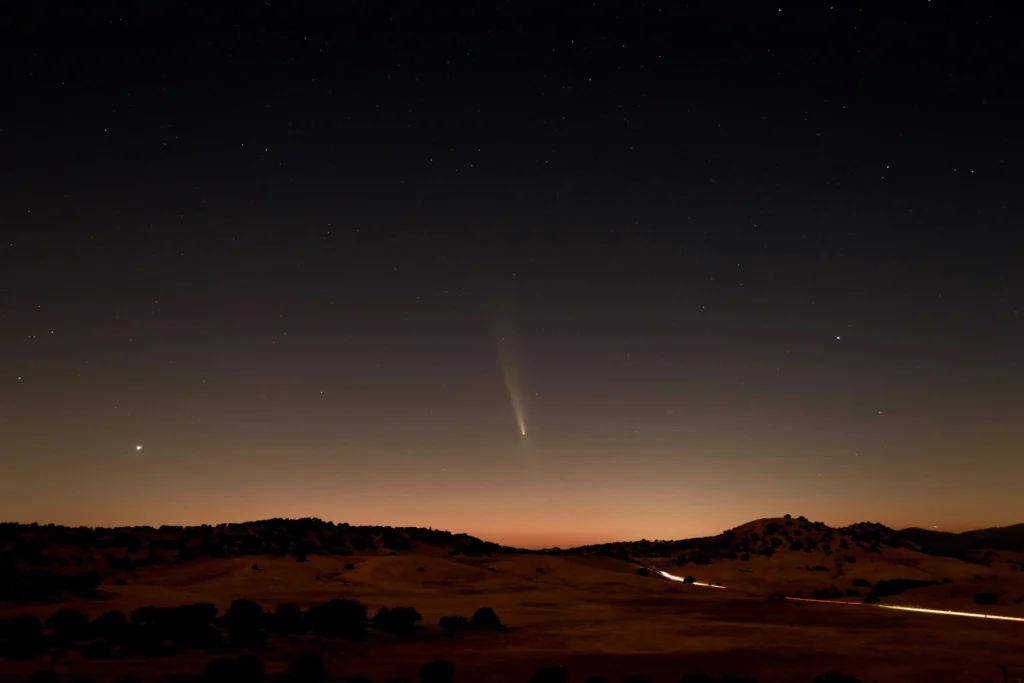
(273, 600)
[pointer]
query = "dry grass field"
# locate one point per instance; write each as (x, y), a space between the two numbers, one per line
(591, 615)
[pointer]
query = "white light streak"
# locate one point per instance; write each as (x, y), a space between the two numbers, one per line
(682, 580)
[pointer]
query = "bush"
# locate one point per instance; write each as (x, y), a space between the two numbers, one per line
(339, 618)
(112, 627)
(454, 623)
(830, 593)
(69, 626)
(701, 677)
(244, 669)
(688, 579)
(850, 593)
(643, 571)
(43, 676)
(862, 583)
(550, 674)
(986, 598)
(835, 677)
(437, 671)
(308, 667)
(896, 586)
(244, 620)
(24, 636)
(485, 618)
(397, 620)
(287, 620)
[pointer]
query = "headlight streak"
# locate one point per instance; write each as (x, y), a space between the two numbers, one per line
(922, 610)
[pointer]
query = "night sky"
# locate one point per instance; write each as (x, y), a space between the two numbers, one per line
(718, 264)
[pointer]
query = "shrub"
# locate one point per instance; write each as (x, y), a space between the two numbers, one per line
(643, 571)
(830, 593)
(244, 620)
(454, 623)
(69, 626)
(851, 593)
(244, 669)
(339, 618)
(862, 583)
(888, 587)
(43, 676)
(397, 620)
(287, 620)
(437, 671)
(24, 636)
(308, 667)
(550, 674)
(835, 677)
(112, 627)
(485, 618)
(986, 598)
(688, 579)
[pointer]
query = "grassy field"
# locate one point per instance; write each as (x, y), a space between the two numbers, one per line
(592, 615)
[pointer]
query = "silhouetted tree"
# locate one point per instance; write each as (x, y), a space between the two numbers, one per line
(244, 620)
(836, 677)
(550, 674)
(339, 618)
(24, 636)
(688, 579)
(112, 627)
(308, 667)
(437, 671)
(287, 620)
(189, 625)
(243, 669)
(43, 676)
(485, 618)
(986, 598)
(397, 620)
(69, 626)
(454, 623)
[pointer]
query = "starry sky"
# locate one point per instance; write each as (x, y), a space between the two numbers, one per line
(717, 265)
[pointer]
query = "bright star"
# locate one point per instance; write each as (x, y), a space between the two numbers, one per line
(138, 447)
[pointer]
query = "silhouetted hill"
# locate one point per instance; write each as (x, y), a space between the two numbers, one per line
(48, 562)
(767, 536)
(950, 544)
(998, 538)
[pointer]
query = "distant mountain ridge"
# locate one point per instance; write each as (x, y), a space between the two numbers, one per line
(767, 536)
(993, 538)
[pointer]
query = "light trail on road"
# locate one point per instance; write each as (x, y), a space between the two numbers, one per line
(922, 610)
(682, 580)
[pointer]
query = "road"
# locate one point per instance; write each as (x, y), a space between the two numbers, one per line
(922, 610)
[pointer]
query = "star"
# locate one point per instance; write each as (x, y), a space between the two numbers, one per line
(138, 447)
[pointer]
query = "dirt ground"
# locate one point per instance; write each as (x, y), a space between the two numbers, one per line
(592, 615)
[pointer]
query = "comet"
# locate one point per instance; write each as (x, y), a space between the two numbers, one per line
(510, 372)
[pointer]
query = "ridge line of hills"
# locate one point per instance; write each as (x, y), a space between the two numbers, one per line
(47, 562)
